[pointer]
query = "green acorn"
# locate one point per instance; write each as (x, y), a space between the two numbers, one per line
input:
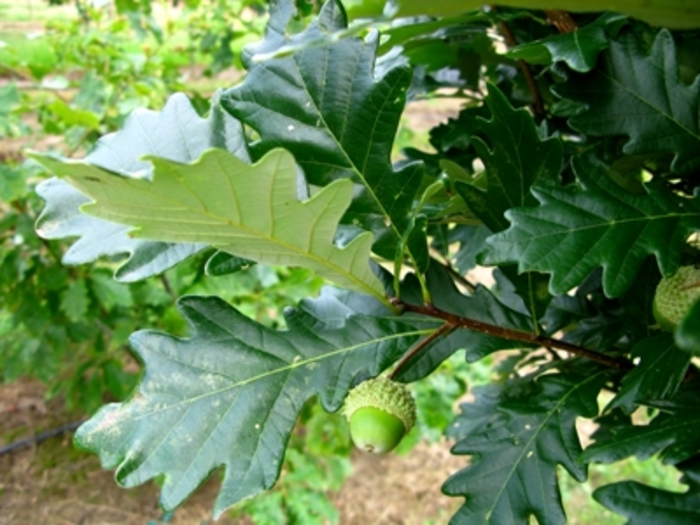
(674, 295)
(380, 413)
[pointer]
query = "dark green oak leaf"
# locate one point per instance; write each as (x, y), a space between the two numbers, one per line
(595, 223)
(176, 133)
(641, 96)
(326, 105)
(516, 157)
(643, 505)
(229, 396)
(579, 49)
(515, 454)
(657, 375)
(674, 433)
(479, 415)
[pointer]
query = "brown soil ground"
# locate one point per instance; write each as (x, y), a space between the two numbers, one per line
(54, 484)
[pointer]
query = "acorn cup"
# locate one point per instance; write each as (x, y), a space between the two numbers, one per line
(675, 295)
(380, 413)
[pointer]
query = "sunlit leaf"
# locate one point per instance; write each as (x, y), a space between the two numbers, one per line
(177, 133)
(251, 211)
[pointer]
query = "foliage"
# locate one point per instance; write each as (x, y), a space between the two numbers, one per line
(577, 161)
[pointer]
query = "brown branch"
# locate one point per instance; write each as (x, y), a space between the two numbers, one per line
(561, 20)
(516, 335)
(537, 104)
(443, 330)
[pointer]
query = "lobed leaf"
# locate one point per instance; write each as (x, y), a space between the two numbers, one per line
(515, 156)
(513, 470)
(176, 133)
(643, 505)
(229, 396)
(596, 223)
(641, 96)
(658, 374)
(251, 211)
(579, 49)
(674, 433)
(327, 105)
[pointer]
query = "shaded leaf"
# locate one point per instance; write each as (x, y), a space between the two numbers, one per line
(641, 96)
(531, 289)
(687, 334)
(637, 310)
(658, 374)
(251, 211)
(229, 396)
(579, 49)
(513, 471)
(479, 415)
(516, 157)
(673, 434)
(644, 505)
(471, 241)
(565, 310)
(181, 136)
(578, 228)
(599, 332)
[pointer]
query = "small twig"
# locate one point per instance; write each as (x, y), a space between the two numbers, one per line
(452, 271)
(515, 335)
(166, 285)
(554, 355)
(537, 104)
(561, 20)
(38, 438)
(444, 329)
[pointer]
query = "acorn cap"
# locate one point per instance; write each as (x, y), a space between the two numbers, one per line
(383, 394)
(675, 294)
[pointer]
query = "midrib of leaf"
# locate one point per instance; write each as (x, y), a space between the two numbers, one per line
(356, 169)
(532, 307)
(648, 103)
(609, 223)
(209, 218)
(540, 428)
(269, 373)
(663, 430)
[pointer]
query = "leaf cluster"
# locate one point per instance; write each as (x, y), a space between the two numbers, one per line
(573, 174)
